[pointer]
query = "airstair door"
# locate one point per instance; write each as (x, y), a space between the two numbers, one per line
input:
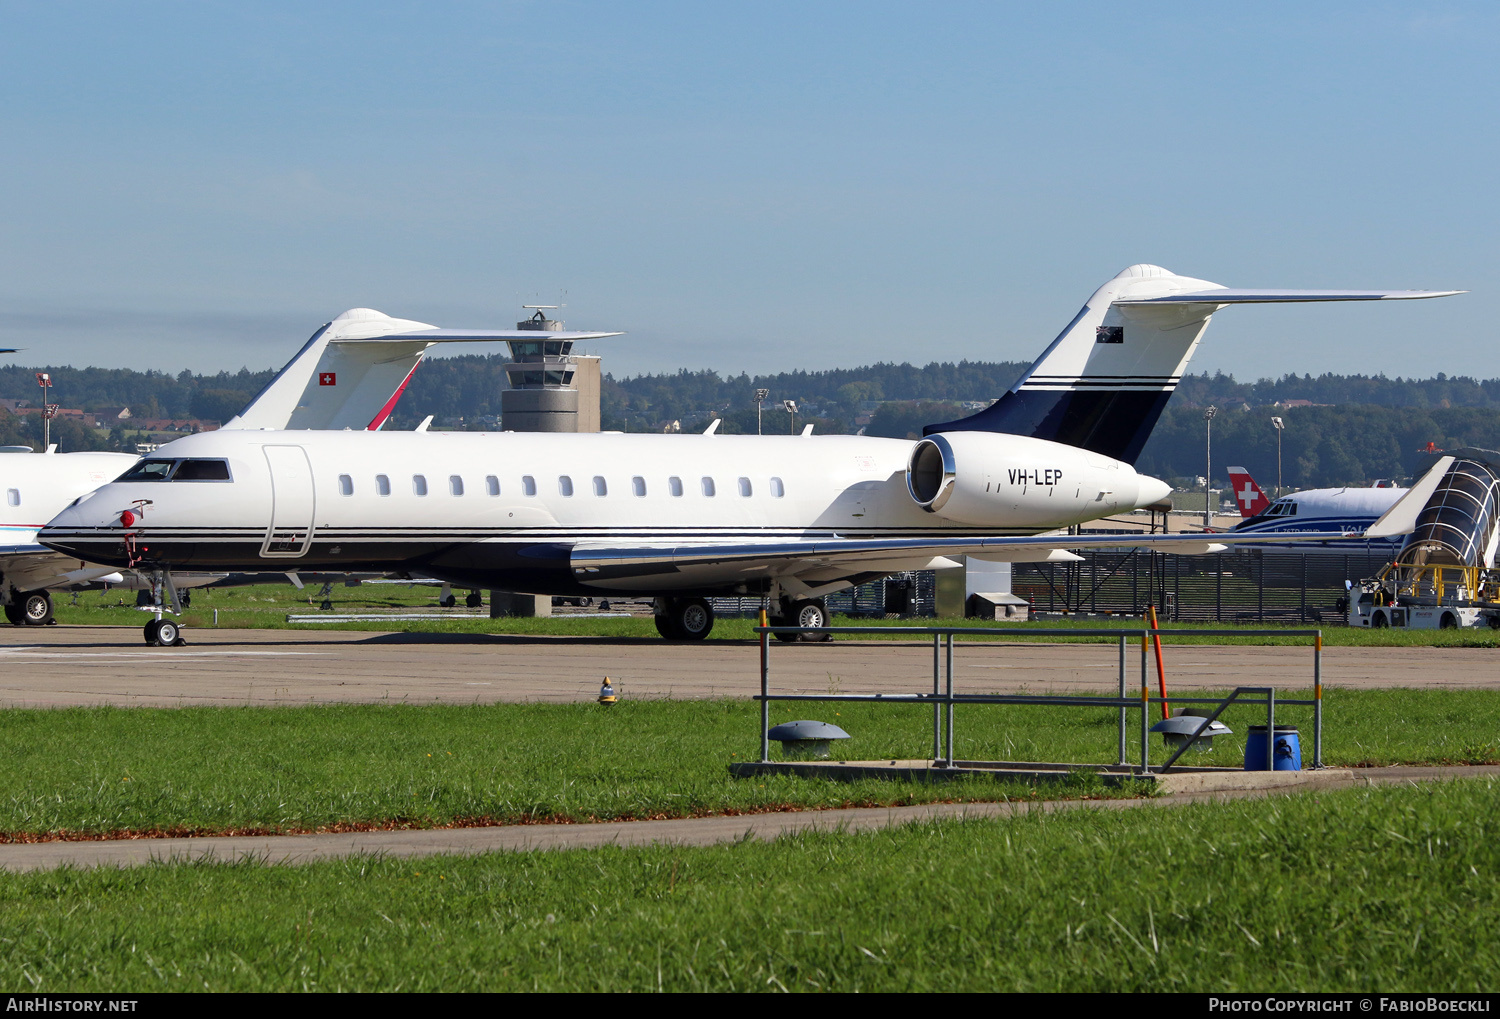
(292, 503)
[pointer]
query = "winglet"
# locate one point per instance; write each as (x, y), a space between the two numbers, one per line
(1402, 517)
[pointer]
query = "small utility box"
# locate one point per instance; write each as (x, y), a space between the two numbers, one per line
(1001, 605)
(807, 740)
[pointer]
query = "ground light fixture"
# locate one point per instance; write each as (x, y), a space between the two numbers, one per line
(607, 695)
(1188, 726)
(806, 740)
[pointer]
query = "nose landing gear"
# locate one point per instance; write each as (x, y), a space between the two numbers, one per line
(161, 632)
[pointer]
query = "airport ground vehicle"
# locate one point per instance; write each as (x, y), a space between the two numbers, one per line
(1427, 598)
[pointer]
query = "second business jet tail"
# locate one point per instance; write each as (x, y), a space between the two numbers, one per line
(1247, 494)
(1105, 380)
(352, 371)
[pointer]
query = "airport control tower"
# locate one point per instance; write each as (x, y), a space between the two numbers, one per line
(551, 388)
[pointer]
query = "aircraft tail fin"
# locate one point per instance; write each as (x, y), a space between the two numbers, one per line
(1247, 494)
(1104, 382)
(353, 370)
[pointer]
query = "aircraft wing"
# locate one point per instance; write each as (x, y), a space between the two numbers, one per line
(1235, 295)
(825, 559)
(33, 567)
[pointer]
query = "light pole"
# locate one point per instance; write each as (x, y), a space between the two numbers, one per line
(44, 380)
(1208, 468)
(791, 408)
(760, 399)
(1278, 424)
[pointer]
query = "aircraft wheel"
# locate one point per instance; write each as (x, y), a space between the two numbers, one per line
(150, 631)
(36, 607)
(782, 621)
(168, 633)
(473, 599)
(15, 611)
(665, 628)
(1379, 622)
(811, 613)
(448, 602)
(689, 619)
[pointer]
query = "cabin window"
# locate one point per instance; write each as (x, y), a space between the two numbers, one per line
(745, 488)
(346, 485)
(777, 491)
(382, 485)
(708, 486)
(419, 484)
(674, 485)
(492, 484)
(528, 485)
(456, 484)
(601, 487)
(13, 497)
(638, 485)
(565, 485)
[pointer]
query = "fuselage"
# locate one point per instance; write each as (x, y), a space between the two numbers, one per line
(35, 487)
(1326, 509)
(507, 510)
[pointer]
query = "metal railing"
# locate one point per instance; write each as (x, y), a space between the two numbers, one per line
(943, 697)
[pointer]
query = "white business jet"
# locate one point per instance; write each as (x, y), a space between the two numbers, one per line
(350, 374)
(682, 517)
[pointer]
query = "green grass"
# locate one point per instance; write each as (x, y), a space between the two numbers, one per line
(267, 606)
(185, 770)
(1381, 890)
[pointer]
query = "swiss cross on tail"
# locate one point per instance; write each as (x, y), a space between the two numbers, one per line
(328, 379)
(1247, 493)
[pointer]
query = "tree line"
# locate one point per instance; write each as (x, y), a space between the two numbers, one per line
(1358, 427)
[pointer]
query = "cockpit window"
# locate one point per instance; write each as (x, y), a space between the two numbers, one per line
(202, 470)
(149, 470)
(178, 470)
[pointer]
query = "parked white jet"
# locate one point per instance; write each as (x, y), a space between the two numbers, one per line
(350, 374)
(681, 517)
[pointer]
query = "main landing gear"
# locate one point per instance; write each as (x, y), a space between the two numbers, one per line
(693, 618)
(34, 608)
(684, 618)
(811, 612)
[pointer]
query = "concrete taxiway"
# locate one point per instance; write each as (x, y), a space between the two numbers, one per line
(83, 665)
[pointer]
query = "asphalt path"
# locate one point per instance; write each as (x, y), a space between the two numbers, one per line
(60, 666)
(704, 831)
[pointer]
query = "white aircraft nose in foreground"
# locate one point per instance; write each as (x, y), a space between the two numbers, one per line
(681, 517)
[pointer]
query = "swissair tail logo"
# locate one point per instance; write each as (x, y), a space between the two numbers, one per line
(328, 379)
(1252, 501)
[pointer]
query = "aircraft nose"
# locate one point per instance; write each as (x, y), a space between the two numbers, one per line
(1151, 491)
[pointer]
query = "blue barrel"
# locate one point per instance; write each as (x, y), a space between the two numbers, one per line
(1286, 747)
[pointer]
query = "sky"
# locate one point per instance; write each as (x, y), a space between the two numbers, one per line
(756, 187)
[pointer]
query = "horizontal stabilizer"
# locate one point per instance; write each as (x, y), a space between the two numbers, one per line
(470, 336)
(1232, 295)
(1402, 517)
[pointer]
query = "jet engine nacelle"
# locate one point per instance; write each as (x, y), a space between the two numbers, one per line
(988, 478)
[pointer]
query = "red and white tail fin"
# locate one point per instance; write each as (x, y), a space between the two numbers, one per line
(1252, 501)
